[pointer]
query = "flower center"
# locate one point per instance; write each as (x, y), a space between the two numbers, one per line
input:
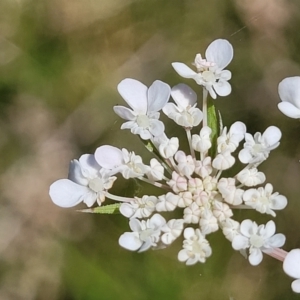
(96, 185)
(256, 241)
(145, 234)
(143, 121)
(209, 76)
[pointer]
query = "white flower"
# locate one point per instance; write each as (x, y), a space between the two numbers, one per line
(177, 183)
(139, 207)
(231, 139)
(257, 147)
(223, 160)
(145, 234)
(191, 214)
(87, 183)
(145, 104)
(156, 170)
(203, 168)
(230, 228)
(229, 192)
(291, 266)
(221, 211)
(185, 113)
(251, 177)
(208, 222)
(168, 147)
(185, 163)
(172, 230)
(264, 201)
(289, 93)
(210, 73)
(257, 239)
(120, 161)
(167, 202)
(195, 247)
(202, 142)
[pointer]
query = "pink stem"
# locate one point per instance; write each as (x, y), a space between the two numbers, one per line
(277, 253)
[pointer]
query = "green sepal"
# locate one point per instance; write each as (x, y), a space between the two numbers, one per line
(106, 209)
(214, 123)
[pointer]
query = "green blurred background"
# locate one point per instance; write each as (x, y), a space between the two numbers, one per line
(60, 63)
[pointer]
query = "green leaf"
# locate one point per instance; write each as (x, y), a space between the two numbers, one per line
(106, 209)
(213, 123)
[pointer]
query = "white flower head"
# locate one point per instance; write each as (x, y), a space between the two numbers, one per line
(210, 71)
(289, 93)
(87, 183)
(146, 104)
(291, 266)
(257, 239)
(139, 207)
(120, 161)
(184, 113)
(145, 234)
(257, 147)
(264, 200)
(195, 247)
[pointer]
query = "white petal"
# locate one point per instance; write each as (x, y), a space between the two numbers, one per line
(247, 227)
(220, 52)
(156, 127)
(75, 173)
(189, 233)
(245, 156)
(289, 90)
(272, 135)
(222, 88)
(66, 193)
(277, 240)
(130, 241)
(182, 255)
(124, 112)
(89, 166)
(183, 95)
(157, 220)
(270, 229)
(296, 286)
(255, 257)
(109, 157)
(134, 93)
(158, 95)
(240, 242)
(183, 70)
(291, 263)
(170, 108)
(289, 110)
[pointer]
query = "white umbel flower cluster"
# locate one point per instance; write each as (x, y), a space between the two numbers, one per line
(191, 182)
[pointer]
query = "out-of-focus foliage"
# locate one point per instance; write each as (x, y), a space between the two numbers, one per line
(60, 63)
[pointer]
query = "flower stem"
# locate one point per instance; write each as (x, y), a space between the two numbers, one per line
(160, 185)
(117, 198)
(189, 137)
(277, 253)
(204, 107)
